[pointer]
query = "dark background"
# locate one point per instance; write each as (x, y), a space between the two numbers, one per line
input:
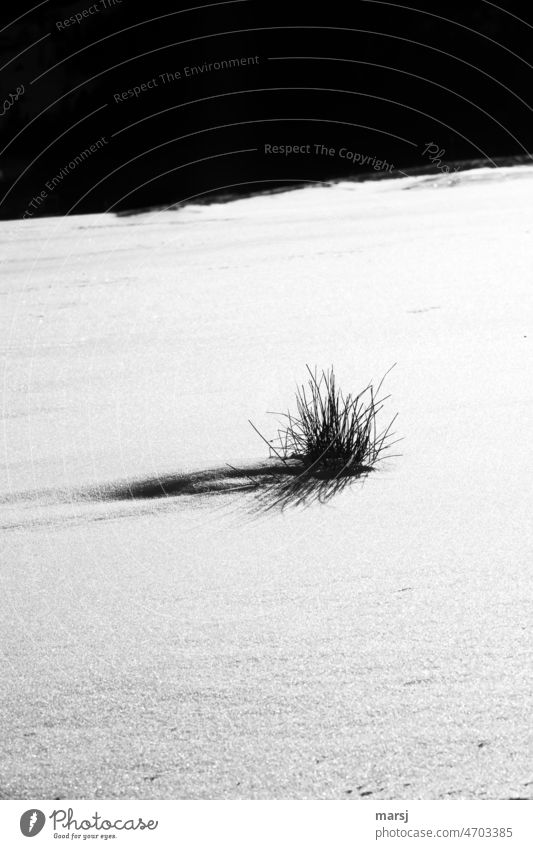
(382, 79)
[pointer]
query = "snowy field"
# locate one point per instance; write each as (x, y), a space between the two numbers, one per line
(191, 646)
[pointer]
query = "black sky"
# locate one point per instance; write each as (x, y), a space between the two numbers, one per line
(381, 80)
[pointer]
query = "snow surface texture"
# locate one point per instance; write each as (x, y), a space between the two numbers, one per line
(378, 646)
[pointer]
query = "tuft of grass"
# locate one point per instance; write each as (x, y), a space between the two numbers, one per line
(330, 434)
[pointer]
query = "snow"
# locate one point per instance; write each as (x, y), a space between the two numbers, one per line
(377, 646)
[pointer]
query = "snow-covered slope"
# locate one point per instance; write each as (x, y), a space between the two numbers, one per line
(378, 646)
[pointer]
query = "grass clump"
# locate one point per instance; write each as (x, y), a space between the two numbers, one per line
(330, 434)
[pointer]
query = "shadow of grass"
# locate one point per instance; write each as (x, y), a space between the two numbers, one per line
(304, 489)
(275, 484)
